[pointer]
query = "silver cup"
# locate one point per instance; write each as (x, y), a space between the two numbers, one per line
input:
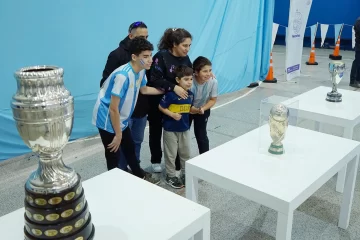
(278, 122)
(43, 110)
(336, 69)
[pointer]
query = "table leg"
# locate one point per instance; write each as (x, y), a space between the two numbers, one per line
(346, 204)
(204, 234)
(319, 127)
(348, 133)
(192, 187)
(284, 226)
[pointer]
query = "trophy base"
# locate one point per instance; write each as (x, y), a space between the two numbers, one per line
(334, 97)
(61, 215)
(276, 149)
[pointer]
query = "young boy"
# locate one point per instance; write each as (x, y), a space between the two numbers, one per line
(205, 89)
(176, 135)
(115, 105)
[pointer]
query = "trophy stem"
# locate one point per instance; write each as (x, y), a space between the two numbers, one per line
(52, 175)
(334, 87)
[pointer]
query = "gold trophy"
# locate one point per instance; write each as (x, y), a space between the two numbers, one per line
(278, 121)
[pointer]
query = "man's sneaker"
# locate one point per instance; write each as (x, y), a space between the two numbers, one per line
(156, 167)
(151, 178)
(174, 182)
(355, 85)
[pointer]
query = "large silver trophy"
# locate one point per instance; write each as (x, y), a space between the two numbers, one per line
(336, 69)
(55, 204)
(278, 122)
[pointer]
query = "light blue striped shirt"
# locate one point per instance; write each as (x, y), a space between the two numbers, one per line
(124, 83)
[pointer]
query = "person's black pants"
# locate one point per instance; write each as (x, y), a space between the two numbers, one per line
(355, 69)
(200, 124)
(155, 131)
(127, 147)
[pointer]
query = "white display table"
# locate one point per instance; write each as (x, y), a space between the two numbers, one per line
(128, 208)
(278, 182)
(346, 114)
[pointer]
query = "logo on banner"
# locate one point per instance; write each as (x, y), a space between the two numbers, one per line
(293, 68)
(297, 24)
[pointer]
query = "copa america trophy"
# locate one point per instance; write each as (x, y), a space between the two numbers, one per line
(336, 69)
(278, 121)
(55, 204)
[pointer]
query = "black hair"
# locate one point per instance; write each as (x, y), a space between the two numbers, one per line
(140, 44)
(173, 36)
(201, 62)
(183, 71)
(136, 25)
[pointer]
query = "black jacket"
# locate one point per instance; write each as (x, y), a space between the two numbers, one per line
(161, 74)
(116, 58)
(357, 34)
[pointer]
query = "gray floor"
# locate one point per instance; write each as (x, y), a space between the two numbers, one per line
(232, 217)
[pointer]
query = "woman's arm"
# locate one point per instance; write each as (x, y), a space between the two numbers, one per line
(150, 91)
(156, 78)
(156, 74)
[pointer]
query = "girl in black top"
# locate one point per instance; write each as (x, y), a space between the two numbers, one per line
(173, 49)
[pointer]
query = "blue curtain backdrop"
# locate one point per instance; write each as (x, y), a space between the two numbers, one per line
(78, 36)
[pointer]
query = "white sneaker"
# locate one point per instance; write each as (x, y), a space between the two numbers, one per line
(178, 173)
(156, 168)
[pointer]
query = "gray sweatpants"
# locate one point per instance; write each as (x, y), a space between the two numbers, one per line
(176, 142)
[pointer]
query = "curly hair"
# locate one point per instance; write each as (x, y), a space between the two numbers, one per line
(140, 44)
(173, 36)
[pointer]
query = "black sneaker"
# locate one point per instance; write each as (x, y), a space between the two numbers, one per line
(355, 85)
(174, 182)
(151, 178)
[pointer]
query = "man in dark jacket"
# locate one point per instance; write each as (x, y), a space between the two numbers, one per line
(355, 69)
(117, 58)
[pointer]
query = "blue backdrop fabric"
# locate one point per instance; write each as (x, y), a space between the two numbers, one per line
(78, 36)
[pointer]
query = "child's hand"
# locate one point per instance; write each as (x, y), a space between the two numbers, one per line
(201, 110)
(176, 116)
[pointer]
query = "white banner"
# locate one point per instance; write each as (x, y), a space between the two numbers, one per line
(324, 29)
(298, 17)
(313, 29)
(274, 32)
(353, 38)
(337, 29)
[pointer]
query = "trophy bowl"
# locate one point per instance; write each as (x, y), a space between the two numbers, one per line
(336, 69)
(43, 110)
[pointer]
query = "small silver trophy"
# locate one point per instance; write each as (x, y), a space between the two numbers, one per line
(55, 203)
(278, 121)
(336, 69)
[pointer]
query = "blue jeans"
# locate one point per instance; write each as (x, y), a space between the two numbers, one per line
(137, 127)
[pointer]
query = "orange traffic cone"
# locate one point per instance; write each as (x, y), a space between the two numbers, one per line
(312, 60)
(336, 55)
(270, 77)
